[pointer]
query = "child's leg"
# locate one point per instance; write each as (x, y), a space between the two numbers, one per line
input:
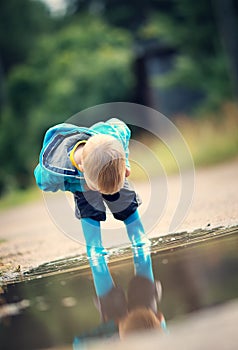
(140, 246)
(96, 253)
(111, 299)
(124, 205)
(90, 209)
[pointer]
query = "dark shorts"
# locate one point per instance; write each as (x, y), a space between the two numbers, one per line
(91, 204)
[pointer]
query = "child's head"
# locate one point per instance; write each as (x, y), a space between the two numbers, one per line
(104, 164)
(138, 320)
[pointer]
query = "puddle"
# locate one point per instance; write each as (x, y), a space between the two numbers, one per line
(47, 307)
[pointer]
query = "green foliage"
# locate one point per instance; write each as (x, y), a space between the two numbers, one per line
(200, 63)
(52, 68)
(19, 197)
(21, 22)
(66, 72)
(211, 140)
(85, 67)
(72, 70)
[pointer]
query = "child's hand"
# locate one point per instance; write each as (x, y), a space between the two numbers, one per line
(128, 172)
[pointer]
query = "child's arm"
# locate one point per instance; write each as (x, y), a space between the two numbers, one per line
(124, 133)
(117, 128)
(47, 181)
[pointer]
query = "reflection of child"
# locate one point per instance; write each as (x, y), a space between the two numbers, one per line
(139, 320)
(138, 312)
(143, 297)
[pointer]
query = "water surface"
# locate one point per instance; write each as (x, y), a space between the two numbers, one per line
(47, 307)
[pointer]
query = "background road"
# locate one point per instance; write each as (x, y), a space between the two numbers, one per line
(30, 237)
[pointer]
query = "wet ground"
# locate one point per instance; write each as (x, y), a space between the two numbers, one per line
(47, 307)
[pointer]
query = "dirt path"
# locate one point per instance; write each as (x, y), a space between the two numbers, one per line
(29, 237)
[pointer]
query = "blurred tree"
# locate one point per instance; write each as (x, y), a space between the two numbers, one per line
(72, 70)
(2, 90)
(51, 68)
(22, 22)
(130, 15)
(68, 71)
(200, 61)
(227, 20)
(191, 29)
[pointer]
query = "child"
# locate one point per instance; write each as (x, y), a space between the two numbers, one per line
(93, 164)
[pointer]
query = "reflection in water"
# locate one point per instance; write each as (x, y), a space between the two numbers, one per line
(61, 306)
(125, 314)
(120, 313)
(130, 313)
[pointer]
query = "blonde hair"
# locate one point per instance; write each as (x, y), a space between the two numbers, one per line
(104, 163)
(138, 320)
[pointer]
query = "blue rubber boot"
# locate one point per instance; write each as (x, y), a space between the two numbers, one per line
(97, 256)
(111, 300)
(135, 230)
(92, 236)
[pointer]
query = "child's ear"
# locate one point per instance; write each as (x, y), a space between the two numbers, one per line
(128, 172)
(80, 167)
(160, 316)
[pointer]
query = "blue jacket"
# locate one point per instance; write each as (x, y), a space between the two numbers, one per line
(55, 170)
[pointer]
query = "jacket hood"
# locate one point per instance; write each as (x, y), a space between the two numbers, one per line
(53, 157)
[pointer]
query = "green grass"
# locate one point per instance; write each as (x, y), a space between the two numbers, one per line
(211, 140)
(17, 198)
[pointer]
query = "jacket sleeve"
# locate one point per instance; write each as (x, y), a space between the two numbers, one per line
(124, 134)
(47, 181)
